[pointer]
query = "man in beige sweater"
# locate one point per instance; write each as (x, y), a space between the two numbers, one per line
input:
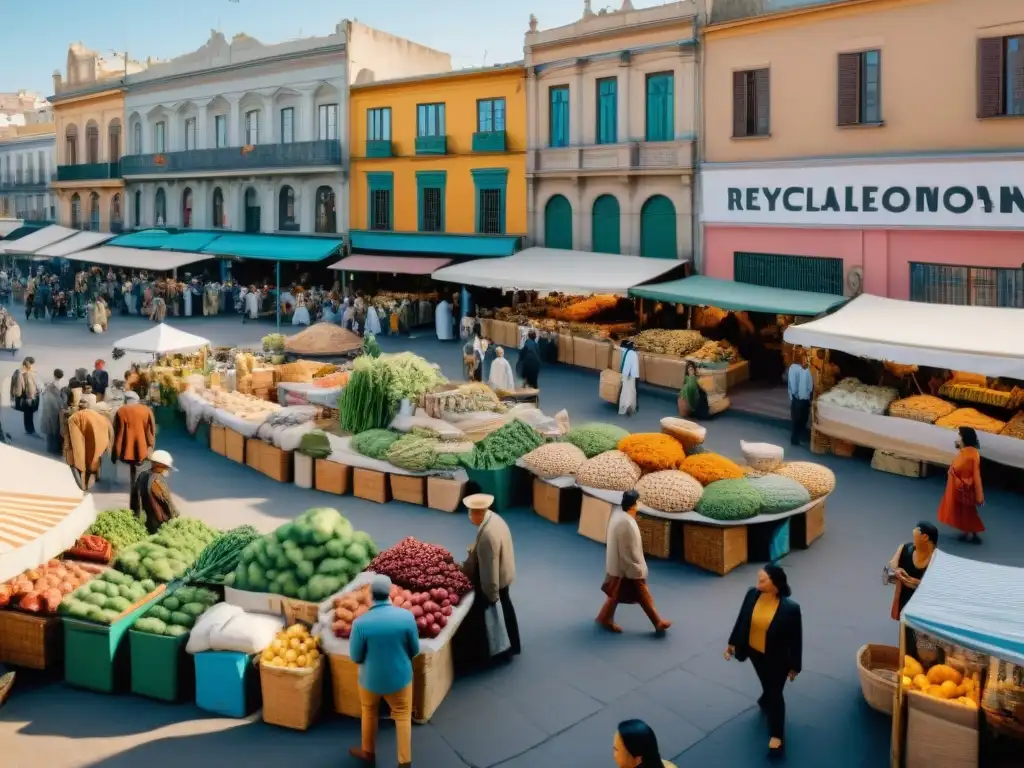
(626, 579)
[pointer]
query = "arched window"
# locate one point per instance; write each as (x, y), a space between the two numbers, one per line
(94, 212)
(326, 215)
(160, 208)
(71, 145)
(286, 220)
(186, 208)
(137, 213)
(604, 235)
(558, 223)
(116, 224)
(76, 211)
(92, 143)
(252, 210)
(218, 208)
(658, 228)
(114, 140)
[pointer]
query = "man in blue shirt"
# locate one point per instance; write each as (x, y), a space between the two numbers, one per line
(384, 642)
(800, 389)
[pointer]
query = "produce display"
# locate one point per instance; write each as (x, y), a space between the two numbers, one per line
(237, 404)
(421, 567)
(669, 491)
(374, 443)
(764, 457)
(779, 493)
(1014, 427)
(707, 468)
(331, 380)
(652, 451)
(969, 417)
(688, 433)
(322, 339)
(93, 548)
(469, 398)
(924, 408)
(816, 478)
(503, 447)
(168, 554)
(596, 438)
(585, 309)
(941, 682)
(41, 590)
(431, 608)
(416, 452)
(554, 460)
(222, 555)
(730, 500)
(293, 648)
(315, 444)
(411, 375)
(310, 558)
(106, 598)
(366, 402)
(609, 471)
(175, 614)
(121, 527)
(850, 393)
(1011, 398)
(715, 353)
(661, 342)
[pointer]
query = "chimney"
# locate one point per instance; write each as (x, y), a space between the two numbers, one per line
(58, 81)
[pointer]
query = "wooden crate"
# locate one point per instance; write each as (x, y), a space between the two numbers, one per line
(218, 439)
(594, 514)
(275, 463)
(332, 477)
(253, 453)
(559, 505)
(655, 535)
(412, 490)
(234, 446)
(27, 640)
(894, 464)
(445, 494)
(370, 485)
(715, 548)
(805, 529)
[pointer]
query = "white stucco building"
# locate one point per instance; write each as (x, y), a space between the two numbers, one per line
(250, 137)
(26, 163)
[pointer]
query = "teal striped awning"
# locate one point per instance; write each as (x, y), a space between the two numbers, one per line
(159, 239)
(439, 243)
(703, 291)
(274, 247)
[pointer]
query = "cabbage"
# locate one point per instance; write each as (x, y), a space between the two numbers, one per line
(313, 554)
(304, 570)
(335, 547)
(285, 533)
(241, 574)
(322, 522)
(356, 553)
(332, 566)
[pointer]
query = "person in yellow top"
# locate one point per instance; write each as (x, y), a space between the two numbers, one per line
(769, 632)
(636, 746)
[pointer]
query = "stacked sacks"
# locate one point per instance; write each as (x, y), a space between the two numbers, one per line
(690, 434)
(763, 457)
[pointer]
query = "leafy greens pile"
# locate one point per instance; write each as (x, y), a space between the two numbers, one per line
(118, 526)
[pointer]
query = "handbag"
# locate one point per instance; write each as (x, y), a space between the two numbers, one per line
(497, 633)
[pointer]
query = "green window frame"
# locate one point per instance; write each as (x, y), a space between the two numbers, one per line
(431, 187)
(558, 116)
(490, 115)
(607, 111)
(430, 120)
(490, 207)
(378, 124)
(660, 106)
(380, 201)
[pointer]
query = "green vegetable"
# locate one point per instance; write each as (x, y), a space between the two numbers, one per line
(332, 567)
(106, 615)
(159, 612)
(126, 593)
(118, 604)
(365, 402)
(95, 598)
(374, 442)
(182, 619)
(304, 570)
(284, 534)
(206, 596)
(148, 584)
(335, 548)
(150, 623)
(195, 610)
(357, 553)
(173, 630)
(503, 447)
(730, 500)
(241, 574)
(595, 438)
(321, 522)
(370, 346)
(171, 602)
(118, 526)
(413, 453)
(221, 556)
(315, 444)
(313, 554)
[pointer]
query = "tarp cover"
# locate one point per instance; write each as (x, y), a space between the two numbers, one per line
(161, 339)
(396, 265)
(41, 238)
(138, 258)
(273, 247)
(977, 605)
(9, 225)
(74, 244)
(986, 340)
(553, 269)
(740, 297)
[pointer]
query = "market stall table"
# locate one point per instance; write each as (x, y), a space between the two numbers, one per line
(302, 393)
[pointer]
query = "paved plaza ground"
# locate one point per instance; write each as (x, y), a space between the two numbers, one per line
(557, 705)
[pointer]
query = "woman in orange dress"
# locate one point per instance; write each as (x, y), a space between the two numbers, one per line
(964, 494)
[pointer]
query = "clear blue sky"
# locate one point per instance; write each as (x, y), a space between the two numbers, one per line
(34, 38)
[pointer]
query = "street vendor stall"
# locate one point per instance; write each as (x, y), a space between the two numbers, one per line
(161, 339)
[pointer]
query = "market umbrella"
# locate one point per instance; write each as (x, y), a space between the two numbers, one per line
(160, 340)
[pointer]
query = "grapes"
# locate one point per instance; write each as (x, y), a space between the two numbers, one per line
(420, 566)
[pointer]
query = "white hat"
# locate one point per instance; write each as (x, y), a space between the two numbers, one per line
(163, 458)
(478, 501)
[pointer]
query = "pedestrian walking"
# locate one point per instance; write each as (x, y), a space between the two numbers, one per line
(384, 642)
(134, 434)
(626, 569)
(529, 361)
(769, 632)
(25, 392)
(964, 493)
(801, 387)
(636, 746)
(91, 435)
(99, 379)
(151, 499)
(905, 571)
(630, 370)
(51, 403)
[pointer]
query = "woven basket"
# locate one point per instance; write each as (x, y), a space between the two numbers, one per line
(31, 641)
(686, 432)
(879, 690)
(655, 535)
(715, 548)
(910, 408)
(292, 697)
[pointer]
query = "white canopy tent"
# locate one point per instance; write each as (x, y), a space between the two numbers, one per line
(42, 510)
(554, 269)
(41, 238)
(139, 258)
(161, 339)
(9, 225)
(985, 340)
(73, 244)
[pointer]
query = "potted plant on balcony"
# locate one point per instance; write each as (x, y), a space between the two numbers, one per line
(273, 345)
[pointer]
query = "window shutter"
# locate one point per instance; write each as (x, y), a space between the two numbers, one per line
(990, 77)
(763, 99)
(739, 104)
(848, 92)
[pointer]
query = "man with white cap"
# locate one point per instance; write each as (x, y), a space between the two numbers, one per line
(384, 642)
(151, 497)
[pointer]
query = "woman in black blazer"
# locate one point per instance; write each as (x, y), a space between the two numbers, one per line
(769, 632)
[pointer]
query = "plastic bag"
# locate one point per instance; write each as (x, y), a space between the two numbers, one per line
(246, 633)
(215, 618)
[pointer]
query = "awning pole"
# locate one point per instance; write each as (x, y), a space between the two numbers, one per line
(896, 735)
(278, 279)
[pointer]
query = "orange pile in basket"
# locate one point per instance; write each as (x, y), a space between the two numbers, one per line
(653, 451)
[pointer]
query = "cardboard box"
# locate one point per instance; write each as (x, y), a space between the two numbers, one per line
(445, 494)
(893, 463)
(234, 446)
(253, 453)
(665, 371)
(584, 352)
(487, 327)
(218, 439)
(559, 505)
(610, 387)
(565, 354)
(332, 477)
(275, 463)
(594, 514)
(412, 490)
(602, 354)
(370, 485)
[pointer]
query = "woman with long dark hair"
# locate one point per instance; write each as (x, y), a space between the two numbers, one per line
(695, 396)
(964, 494)
(636, 746)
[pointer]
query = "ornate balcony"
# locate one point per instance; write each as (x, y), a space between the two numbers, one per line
(489, 141)
(431, 145)
(378, 148)
(257, 157)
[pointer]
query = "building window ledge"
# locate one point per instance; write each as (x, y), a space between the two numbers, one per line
(875, 124)
(752, 138)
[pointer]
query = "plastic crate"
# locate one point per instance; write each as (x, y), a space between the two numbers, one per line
(160, 667)
(227, 683)
(510, 487)
(96, 657)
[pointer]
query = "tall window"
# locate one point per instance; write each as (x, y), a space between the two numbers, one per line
(76, 211)
(253, 211)
(607, 110)
(490, 211)
(858, 86)
(287, 125)
(975, 286)
(220, 131)
(252, 127)
(137, 209)
(71, 145)
(218, 208)
(558, 116)
(20, 174)
(41, 160)
(327, 121)
(1001, 76)
(114, 141)
(378, 124)
(490, 115)
(191, 133)
(115, 213)
(94, 212)
(186, 208)
(430, 120)
(432, 209)
(326, 216)
(137, 138)
(160, 137)
(751, 103)
(92, 143)
(160, 208)
(286, 210)
(661, 116)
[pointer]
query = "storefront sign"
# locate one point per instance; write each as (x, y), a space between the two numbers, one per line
(988, 195)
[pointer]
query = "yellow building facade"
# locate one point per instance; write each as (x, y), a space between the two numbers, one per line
(438, 163)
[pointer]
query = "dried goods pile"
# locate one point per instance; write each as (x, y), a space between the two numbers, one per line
(779, 493)
(238, 404)
(652, 451)
(106, 598)
(730, 500)
(420, 451)
(596, 438)
(669, 491)
(763, 457)
(418, 566)
(708, 468)
(169, 554)
(688, 433)
(816, 478)
(677, 343)
(554, 460)
(609, 471)
(121, 527)
(715, 353)
(970, 417)
(323, 339)
(468, 398)
(310, 558)
(41, 590)
(1015, 427)
(850, 393)
(585, 309)
(175, 614)
(503, 447)
(431, 609)
(293, 648)
(924, 408)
